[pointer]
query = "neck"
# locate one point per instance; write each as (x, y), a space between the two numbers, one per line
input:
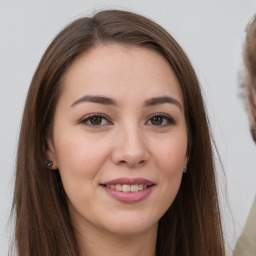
(93, 242)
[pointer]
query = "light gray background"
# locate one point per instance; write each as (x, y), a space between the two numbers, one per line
(212, 34)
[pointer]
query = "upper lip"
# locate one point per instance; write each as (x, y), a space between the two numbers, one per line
(129, 181)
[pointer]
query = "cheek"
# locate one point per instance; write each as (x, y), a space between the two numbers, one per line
(80, 159)
(171, 155)
(170, 162)
(79, 153)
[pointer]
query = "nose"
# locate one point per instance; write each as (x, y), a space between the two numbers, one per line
(130, 148)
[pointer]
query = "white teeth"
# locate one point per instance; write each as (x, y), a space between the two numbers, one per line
(118, 187)
(127, 188)
(134, 188)
(140, 187)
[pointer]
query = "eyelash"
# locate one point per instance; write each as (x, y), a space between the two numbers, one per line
(167, 118)
(88, 120)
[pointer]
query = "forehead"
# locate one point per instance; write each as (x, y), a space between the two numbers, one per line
(115, 70)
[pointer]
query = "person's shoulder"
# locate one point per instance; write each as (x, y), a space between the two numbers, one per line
(246, 243)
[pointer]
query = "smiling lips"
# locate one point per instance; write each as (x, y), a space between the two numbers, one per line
(128, 190)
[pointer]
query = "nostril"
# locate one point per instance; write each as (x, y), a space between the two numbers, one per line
(132, 164)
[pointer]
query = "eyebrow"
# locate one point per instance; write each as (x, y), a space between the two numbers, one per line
(95, 99)
(162, 100)
(111, 102)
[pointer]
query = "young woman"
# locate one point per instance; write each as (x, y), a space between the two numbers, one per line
(115, 155)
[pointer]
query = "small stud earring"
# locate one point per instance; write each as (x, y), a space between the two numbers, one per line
(184, 171)
(48, 164)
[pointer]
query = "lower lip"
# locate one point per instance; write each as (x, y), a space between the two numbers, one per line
(129, 197)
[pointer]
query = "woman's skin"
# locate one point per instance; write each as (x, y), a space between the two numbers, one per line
(120, 115)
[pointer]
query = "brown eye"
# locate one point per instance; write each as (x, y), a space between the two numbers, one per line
(157, 120)
(96, 120)
(161, 120)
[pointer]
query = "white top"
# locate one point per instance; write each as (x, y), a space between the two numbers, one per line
(246, 243)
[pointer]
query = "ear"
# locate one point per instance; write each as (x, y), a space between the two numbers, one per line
(51, 154)
(185, 163)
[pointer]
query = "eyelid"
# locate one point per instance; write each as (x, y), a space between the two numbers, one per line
(170, 119)
(89, 116)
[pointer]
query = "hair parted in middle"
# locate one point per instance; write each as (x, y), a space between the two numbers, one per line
(192, 224)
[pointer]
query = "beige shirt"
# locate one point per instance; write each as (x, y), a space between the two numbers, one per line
(246, 243)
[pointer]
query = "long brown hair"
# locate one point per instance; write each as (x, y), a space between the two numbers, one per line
(192, 224)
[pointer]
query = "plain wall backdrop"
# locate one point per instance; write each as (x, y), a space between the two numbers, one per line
(212, 34)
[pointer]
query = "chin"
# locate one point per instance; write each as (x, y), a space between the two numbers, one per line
(130, 225)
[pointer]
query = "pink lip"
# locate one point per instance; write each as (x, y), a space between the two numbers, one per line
(129, 197)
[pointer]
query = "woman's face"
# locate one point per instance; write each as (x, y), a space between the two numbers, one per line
(119, 139)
